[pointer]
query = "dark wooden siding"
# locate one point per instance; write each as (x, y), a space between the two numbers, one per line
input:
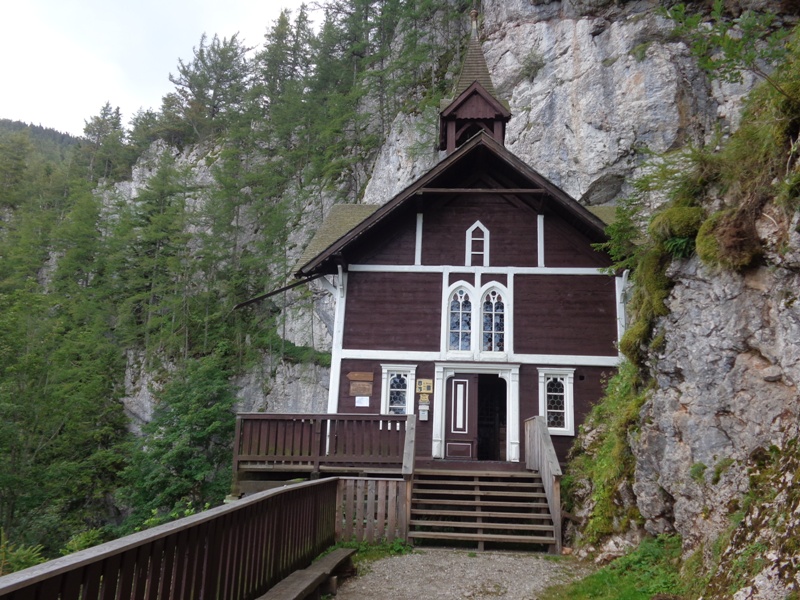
(347, 403)
(395, 246)
(476, 107)
(565, 314)
(564, 246)
(501, 279)
(468, 277)
(512, 231)
(393, 311)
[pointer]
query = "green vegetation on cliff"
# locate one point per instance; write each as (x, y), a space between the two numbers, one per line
(713, 196)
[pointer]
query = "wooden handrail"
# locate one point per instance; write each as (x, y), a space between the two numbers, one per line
(540, 455)
(235, 552)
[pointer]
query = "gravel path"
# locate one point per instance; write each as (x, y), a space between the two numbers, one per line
(443, 574)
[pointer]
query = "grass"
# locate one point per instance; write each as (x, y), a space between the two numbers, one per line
(609, 461)
(653, 568)
(367, 553)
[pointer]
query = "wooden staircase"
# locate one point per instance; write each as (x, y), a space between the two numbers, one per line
(480, 506)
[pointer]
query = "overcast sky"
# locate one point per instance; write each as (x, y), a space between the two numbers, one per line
(62, 60)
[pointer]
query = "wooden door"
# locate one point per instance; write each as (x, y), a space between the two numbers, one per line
(461, 417)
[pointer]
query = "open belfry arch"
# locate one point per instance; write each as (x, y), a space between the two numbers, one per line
(473, 298)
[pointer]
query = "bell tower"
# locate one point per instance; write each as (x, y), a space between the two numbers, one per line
(474, 107)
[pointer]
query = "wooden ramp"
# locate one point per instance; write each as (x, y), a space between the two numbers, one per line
(480, 506)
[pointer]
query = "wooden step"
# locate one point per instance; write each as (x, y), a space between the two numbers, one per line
(450, 502)
(481, 525)
(481, 483)
(480, 506)
(476, 473)
(489, 493)
(483, 537)
(481, 513)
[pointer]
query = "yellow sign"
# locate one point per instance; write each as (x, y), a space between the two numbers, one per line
(424, 386)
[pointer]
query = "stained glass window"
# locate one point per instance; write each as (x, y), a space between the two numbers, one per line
(398, 393)
(493, 323)
(556, 402)
(460, 321)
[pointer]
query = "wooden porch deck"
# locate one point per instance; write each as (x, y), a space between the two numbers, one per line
(271, 449)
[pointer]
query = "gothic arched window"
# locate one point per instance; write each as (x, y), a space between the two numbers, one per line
(493, 323)
(460, 327)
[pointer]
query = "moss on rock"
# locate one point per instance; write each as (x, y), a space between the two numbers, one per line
(676, 221)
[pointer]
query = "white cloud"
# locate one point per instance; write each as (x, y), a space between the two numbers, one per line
(63, 59)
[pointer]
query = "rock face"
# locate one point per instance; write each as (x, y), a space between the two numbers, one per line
(726, 405)
(593, 88)
(281, 387)
(727, 386)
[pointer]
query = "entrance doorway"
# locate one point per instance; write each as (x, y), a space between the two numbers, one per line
(491, 418)
(476, 417)
(456, 408)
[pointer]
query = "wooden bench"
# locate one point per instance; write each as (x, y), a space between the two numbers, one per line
(321, 577)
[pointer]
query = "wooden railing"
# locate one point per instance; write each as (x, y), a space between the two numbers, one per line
(540, 455)
(315, 442)
(372, 510)
(234, 552)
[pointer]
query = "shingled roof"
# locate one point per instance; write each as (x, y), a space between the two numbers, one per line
(607, 214)
(474, 68)
(341, 219)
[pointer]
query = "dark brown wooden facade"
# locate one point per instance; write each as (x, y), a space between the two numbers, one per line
(483, 226)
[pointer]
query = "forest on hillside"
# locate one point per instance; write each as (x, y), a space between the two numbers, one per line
(90, 281)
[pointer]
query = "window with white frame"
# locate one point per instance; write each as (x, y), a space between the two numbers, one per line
(556, 400)
(493, 338)
(460, 327)
(397, 389)
(476, 323)
(477, 247)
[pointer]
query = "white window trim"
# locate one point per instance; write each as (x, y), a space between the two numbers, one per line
(470, 237)
(569, 401)
(540, 241)
(411, 372)
(476, 338)
(418, 241)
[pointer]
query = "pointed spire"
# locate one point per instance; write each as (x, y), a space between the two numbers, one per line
(474, 16)
(475, 68)
(474, 107)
